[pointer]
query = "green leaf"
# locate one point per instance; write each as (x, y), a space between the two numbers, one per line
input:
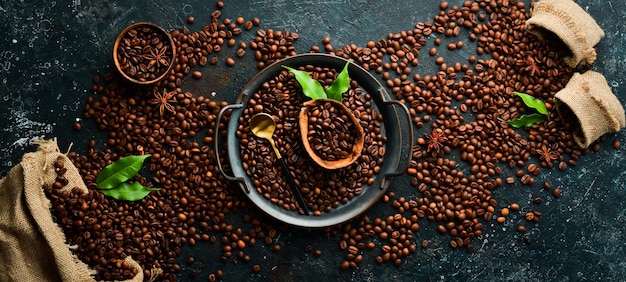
(129, 192)
(531, 102)
(310, 87)
(340, 85)
(526, 120)
(119, 171)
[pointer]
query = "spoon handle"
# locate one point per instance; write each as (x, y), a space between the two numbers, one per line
(294, 188)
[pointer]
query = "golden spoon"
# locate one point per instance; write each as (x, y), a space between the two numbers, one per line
(263, 126)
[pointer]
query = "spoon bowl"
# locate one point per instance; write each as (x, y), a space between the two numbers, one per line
(263, 125)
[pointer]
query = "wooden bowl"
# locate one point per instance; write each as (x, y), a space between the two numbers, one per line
(356, 148)
(169, 44)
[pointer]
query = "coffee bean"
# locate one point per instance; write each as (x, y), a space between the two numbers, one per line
(529, 216)
(241, 52)
(256, 268)
(547, 185)
(527, 239)
(514, 206)
(196, 74)
(248, 25)
(432, 51)
(504, 212)
(78, 126)
(443, 5)
(230, 62)
(256, 21)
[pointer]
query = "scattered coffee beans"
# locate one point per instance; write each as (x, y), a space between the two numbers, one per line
(465, 100)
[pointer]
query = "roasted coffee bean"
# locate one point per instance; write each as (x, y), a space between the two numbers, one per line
(248, 25)
(230, 62)
(196, 74)
(504, 212)
(78, 126)
(527, 239)
(241, 52)
(529, 216)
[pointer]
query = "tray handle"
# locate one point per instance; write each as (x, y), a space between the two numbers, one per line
(406, 148)
(216, 139)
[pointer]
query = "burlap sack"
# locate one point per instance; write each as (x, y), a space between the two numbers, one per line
(32, 246)
(571, 24)
(588, 100)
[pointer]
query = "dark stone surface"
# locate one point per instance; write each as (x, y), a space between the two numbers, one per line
(49, 51)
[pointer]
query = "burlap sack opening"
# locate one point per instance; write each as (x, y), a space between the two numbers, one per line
(32, 246)
(588, 102)
(571, 24)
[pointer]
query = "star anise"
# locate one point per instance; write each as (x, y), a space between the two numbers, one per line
(157, 57)
(435, 140)
(532, 66)
(163, 100)
(547, 155)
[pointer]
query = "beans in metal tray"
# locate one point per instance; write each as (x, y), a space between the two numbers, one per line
(322, 189)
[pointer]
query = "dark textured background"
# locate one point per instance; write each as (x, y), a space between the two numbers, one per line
(49, 51)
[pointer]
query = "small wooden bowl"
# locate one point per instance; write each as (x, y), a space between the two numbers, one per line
(169, 44)
(356, 148)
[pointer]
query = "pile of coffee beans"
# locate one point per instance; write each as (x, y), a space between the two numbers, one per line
(272, 45)
(144, 53)
(322, 189)
(466, 101)
(331, 132)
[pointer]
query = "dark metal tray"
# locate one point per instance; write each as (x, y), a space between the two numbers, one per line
(396, 126)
